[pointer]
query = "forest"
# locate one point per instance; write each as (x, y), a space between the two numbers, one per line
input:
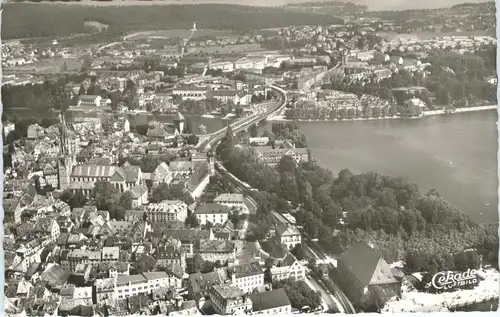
(389, 212)
(63, 20)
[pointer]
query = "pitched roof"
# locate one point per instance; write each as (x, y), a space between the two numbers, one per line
(212, 208)
(287, 230)
(138, 191)
(160, 172)
(288, 260)
(94, 171)
(269, 300)
(247, 269)
(366, 265)
(230, 198)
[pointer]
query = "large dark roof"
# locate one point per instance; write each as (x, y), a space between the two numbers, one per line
(366, 265)
(269, 300)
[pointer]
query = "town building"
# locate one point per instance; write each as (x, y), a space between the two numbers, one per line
(288, 235)
(212, 212)
(191, 92)
(247, 276)
(90, 101)
(230, 300)
(271, 157)
(84, 177)
(167, 211)
(361, 269)
(271, 303)
(236, 201)
(215, 250)
(287, 268)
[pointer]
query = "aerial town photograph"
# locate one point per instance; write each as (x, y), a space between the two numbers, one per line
(233, 157)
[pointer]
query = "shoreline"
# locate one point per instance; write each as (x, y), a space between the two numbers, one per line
(424, 114)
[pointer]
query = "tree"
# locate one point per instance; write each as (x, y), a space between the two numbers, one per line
(188, 127)
(105, 195)
(144, 263)
(207, 226)
(235, 217)
(163, 192)
(195, 264)
(298, 252)
(207, 267)
(126, 200)
(375, 299)
(192, 221)
(87, 61)
(74, 200)
(192, 139)
(254, 131)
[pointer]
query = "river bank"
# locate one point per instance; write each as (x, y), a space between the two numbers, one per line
(424, 114)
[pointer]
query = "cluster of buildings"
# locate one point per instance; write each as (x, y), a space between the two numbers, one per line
(270, 152)
(84, 261)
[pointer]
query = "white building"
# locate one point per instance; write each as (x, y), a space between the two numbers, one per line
(236, 201)
(90, 100)
(224, 66)
(167, 210)
(247, 276)
(124, 286)
(191, 92)
(229, 300)
(289, 267)
(213, 213)
(288, 235)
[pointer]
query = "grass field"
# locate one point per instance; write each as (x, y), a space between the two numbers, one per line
(51, 66)
(240, 48)
(176, 33)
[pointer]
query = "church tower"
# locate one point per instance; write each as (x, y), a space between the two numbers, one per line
(179, 123)
(66, 155)
(345, 57)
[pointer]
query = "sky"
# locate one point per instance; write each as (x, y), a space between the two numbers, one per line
(372, 4)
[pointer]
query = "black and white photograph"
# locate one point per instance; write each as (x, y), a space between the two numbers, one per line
(249, 157)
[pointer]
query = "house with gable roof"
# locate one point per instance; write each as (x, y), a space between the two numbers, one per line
(361, 269)
(287, 268)
(162, 174)
(48, 226)
(232, 200)
(288, 235)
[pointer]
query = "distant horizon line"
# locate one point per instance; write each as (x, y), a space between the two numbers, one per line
(258, 3)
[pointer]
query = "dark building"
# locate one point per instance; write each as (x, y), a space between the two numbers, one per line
(361, 271)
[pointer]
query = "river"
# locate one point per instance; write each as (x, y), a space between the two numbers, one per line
(455, 154)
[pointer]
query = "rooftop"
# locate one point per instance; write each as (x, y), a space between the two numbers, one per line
(212, 208)
(228, 291)
(230, 198)
(269, 300)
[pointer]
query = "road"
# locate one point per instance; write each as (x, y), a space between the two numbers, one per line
(329, 301)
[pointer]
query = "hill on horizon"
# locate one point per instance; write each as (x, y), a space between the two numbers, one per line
(29, 20)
